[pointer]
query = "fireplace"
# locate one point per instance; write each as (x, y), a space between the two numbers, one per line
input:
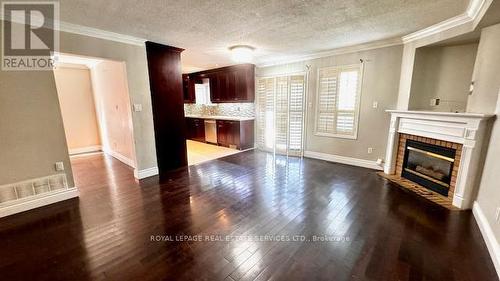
(449, 136)
(429, 165)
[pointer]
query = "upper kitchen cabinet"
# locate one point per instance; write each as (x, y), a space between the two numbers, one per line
(188, 87)
(242, 84)
(234, 84)
(227, 84)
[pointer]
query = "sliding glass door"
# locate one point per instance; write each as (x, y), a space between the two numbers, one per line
(280, 114)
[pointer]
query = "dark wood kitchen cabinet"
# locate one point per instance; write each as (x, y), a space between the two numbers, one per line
(238, 134)
(165, 80)
(188, 86)
(195, 128)
(234, 84)
(229, 84)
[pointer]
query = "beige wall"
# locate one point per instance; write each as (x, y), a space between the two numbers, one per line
(487, 91)
(31, 128)
(443, 72)
(410, 48)
(488, 196)
(74, 89)
(32, 134)
(113, 108)
(380, 83)
(138, 85)
(486, 75)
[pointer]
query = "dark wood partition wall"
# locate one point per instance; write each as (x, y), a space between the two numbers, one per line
(165, 78)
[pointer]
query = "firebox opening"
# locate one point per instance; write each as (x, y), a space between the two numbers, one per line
(429, 165)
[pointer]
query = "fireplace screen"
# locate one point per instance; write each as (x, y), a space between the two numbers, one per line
(429, 165)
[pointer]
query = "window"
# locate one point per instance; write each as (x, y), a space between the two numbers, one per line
(280, 114)
(338, 99)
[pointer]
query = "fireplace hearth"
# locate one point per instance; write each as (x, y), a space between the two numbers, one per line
(429, 165)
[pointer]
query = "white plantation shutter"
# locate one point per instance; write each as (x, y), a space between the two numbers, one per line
(338, 101)
(280, 114)
(265, 113)
(296, 114)
(327, 101)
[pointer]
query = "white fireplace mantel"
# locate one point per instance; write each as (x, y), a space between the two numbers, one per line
(468, 129)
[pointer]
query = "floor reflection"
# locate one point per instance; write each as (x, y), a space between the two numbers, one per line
(243, 217)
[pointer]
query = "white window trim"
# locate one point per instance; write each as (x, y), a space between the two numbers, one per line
(358, 102)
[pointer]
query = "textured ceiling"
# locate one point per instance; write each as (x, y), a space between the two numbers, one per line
(279, 29)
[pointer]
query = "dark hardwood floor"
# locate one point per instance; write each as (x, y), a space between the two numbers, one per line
(380, 232)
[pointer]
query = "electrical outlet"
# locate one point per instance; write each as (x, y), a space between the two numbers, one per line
(59, 166)
(370, 150)
(375, 104)
(497, 215)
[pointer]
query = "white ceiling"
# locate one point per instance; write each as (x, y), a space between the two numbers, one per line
(278, 29)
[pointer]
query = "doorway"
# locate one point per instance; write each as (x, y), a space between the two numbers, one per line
(95, 107)
(281, 114)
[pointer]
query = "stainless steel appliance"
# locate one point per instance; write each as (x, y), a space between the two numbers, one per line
(211, 131)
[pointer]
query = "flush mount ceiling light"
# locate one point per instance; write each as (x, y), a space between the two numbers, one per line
(242, 53)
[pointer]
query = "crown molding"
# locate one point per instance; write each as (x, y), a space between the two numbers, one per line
(437, 28)
(88, 31)
(477, 8)
(338, 51)
(99, 33)
(475, 11)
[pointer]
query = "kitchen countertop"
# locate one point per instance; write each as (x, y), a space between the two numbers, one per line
(216, 117)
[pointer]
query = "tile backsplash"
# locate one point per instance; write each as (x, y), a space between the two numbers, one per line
(221, 109)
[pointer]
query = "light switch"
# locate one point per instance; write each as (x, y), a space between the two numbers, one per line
(375, 104)
(137, 107)
(59, 166)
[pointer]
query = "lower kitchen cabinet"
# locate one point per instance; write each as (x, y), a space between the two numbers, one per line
(234, 134)
(237, 134)
(195, 129)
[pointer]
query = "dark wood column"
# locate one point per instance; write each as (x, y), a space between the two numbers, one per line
(165, 78)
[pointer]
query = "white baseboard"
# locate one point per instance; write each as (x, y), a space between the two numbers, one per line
(146, 173)
(343, 160)
(488, 236)
(38, 202)
(87, 149)
(120, 157)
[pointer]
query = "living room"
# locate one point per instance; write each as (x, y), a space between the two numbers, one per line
(250, 140)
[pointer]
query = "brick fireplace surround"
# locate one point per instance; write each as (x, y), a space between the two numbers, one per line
(464, 132)
(458, 155)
